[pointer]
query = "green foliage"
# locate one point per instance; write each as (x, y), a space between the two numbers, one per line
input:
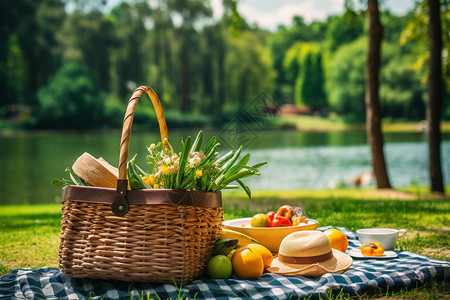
(416, 32)
(249, 69)
(401, 92)
(193, 168)
(128, 38)
(16, 74)
(74, 180)
(292, 61)
(344, 29)
(303, 67)
(207, 69)
(284, 45)
(345, 84)
(310, 90)
(70, 100)
(87, 40)
(28, 49)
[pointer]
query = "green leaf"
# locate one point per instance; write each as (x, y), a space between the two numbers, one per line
(245, 188)
(230, 163)
(257, 166)
(226, 167)
(241, 174)
(197, 142)
(241, 164)
(183, 160)
(209, 146)
(133, 171)
(61, 182)
(209, 157)
(74, 180)
(224, 158)
(231, 187)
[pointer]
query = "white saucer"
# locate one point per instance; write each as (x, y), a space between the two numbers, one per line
(356, 253)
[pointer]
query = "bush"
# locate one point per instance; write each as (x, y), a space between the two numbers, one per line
(70, 100)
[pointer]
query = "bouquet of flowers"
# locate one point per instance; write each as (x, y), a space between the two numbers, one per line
(194, 168)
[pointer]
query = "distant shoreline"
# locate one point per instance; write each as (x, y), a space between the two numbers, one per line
(304, 123)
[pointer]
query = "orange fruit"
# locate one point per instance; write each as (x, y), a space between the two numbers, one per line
(338, 240)
(247, 263)
(264, 252)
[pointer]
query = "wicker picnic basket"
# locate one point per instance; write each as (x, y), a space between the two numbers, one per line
(138, 235)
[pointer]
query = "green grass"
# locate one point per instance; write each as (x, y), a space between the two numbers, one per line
(336, 123)
(29, 235)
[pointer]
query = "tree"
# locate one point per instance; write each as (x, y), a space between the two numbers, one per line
(344, 84)
(249, 70)
(427, 30)
(87, 39)
(303, 68)
(285, 41)
(373, 111)
(311, 81)
(344, 29)
(70, 100)
(401, 91)
(190, 11)
(435, 94)
(128, 44)
(28, 43)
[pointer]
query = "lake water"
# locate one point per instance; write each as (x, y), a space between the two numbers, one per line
(296, 160)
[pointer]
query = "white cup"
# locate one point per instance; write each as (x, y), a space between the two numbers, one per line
(385, 236)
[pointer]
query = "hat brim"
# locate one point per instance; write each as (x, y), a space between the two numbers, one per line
(340, 263)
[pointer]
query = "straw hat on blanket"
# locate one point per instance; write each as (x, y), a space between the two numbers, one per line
(308, 253)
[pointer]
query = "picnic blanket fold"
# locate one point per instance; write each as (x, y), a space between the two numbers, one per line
(407, 270)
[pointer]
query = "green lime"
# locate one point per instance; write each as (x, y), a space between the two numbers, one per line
(219, 267)
(260, 220)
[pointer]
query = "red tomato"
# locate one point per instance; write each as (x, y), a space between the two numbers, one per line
(285, 211)
(280, 221)
(270, 215)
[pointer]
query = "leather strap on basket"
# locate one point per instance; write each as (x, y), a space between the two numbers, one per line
(120, 204)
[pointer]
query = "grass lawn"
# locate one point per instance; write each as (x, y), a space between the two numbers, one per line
(29, 235)
(336, 123)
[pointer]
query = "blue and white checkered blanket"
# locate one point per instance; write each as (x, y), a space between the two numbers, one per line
(407, 270)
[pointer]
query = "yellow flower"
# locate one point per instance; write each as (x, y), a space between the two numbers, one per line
(198, 174)
(165, 170)
(152, 146)
(152, 179)
(155, 186)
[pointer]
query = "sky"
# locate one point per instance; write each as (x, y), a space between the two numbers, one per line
(268, 14)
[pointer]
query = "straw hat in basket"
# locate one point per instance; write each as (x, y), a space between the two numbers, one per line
(309, 253)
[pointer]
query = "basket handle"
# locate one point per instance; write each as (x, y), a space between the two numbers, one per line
(120, 204)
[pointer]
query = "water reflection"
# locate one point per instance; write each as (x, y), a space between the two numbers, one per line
(296, 160)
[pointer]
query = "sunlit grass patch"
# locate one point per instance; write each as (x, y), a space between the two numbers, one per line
(336, 123)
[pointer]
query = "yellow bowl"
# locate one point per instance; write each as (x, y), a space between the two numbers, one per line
(269, 237)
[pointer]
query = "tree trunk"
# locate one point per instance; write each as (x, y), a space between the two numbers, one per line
(373, 112)
(434, 103)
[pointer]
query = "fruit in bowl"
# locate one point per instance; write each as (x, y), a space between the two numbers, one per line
(270, 236)
(285, 216)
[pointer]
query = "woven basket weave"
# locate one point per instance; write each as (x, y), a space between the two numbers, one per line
(138, 235)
